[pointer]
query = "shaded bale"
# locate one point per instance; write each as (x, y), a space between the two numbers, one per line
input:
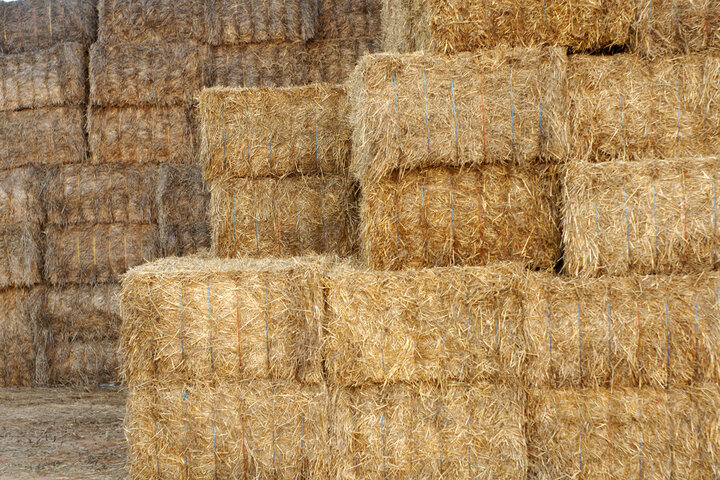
(43, 78)
(644, 217)
(622, 433)
(192, 319)
(333, 61)
(93, 254)
(57, 136)
(20, 256)
(79, 362)
(148, 73)
(142, 135)
(419, 110)
(280, 217)
(432, 325)
(20, 202)
(349, 18)
(255, 132)
(18, 337)
(444, 216)
(467, 25)
(112, 193)
(82, 312)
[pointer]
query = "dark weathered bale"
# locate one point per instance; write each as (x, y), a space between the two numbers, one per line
(20, 202)
(349, 18)
(18, 337)
(20, 256)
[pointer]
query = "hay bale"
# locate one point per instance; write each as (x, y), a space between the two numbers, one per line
(183, 203)
(333, 61)
(111, 193)
(432, 325)
(625, 108)
(85, 253)
(280, 217)
(437, 217)
(255, 132)
(148, 73)
(459, 431)
(418, 110)
(142, 135)
(213, 319)
(467, 25)
(248, 21)
(20, 197)
(349, 18)
(43, 78)
(18, 337)
(38, 24)
(20, 256)
(622, 433)
(621, 331)
(644, 217)
(57, 137)
(83, 363)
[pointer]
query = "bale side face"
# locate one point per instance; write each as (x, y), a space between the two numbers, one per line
(274, 131)
(433, 325)
(78, 362)
(418, 110)
(284, 217)
(17, 337)
(644, 217)
(442, 216)
(43, 78)
(20, 256)
(20, 197)
(349, 19)
(82, 312)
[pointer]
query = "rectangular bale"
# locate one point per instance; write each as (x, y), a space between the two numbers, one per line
(82, 312)
(43, 78)
(20, 256)
(436, 217)
(349, 18)
(20, 197)
(141, 135)
(18, 337)
(259, 132)
(77, 362)
(56, 135)
(431, 325)
(642, 217)
(421, 110)
(147, 73)
(282, 217)
(78, 254)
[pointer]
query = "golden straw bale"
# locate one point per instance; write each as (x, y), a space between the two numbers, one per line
(435, 325)
(43, 78)
(112, 193)
(459, 431)
(466, 25)
(56, 136)
(37, 24)
(142, 135)
(349, 18)
(20, 202)
(148, 73)
(215, 319)
(625, 108)
(622, 433)
(20, 256)
(658, 330)
(18, 337)
(73, 361)
(444, 216)
(249, 132)
(419, 110)
(645, 217)
(284, 216)
(97, 253)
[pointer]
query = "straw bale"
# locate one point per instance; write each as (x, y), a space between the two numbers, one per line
(213, 319)
(112, 193)
(142, 135)
(625, 108)
(460, 431)
(467, 25)
(622, 433)
(92, 254)
(148, 73)
(434, 325)
(651, 216)
(20, 256)
(122, 21)
(349, 18)
(444, 216)
(333, 61)
(37, 24)
(183, 203)
(17, 337)
(254, 132)
(680, 26)
(247, 21)
(419, 110)
(81, 362)
(284, 216)
(56, 135)
(43, 78)
(20, 197)
(82, 312)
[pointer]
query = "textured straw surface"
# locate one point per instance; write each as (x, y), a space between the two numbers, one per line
(418, 110)
(20, 202)
(54, 76)
(349, 18)
(122, 21)
(20, 256)
(17, 337)
(446, 216)
(653, 216)
(78, 362)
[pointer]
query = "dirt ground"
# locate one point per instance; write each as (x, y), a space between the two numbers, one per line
(62, 433)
